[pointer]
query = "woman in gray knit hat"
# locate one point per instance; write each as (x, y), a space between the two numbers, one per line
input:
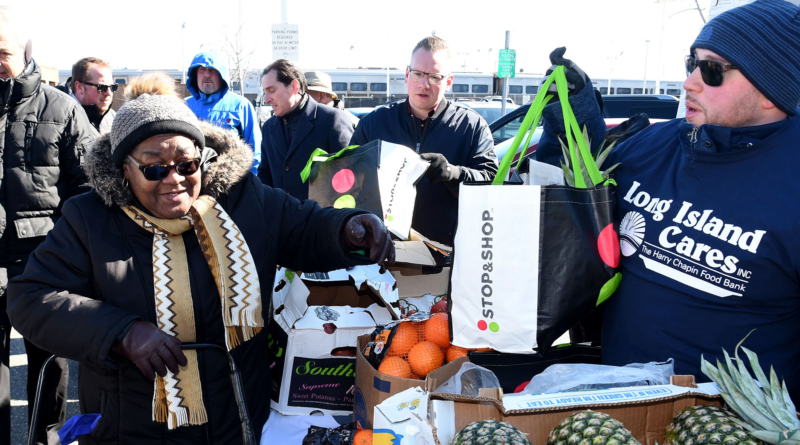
(177, 242)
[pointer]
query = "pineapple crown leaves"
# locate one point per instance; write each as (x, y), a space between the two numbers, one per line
(767, 410)
(599, 158)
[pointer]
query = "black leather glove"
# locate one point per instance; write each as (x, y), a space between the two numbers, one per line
(151, 350)
(576, 78)
(368, 232)
(440, 170)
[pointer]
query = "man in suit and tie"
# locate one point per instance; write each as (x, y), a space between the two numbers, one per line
(299, 125)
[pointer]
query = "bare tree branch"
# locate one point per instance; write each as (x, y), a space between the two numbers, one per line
(238, 57)
(700, 11)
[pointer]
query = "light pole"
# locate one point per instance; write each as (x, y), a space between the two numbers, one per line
(646, 53)
(183, 56)
(610, 70)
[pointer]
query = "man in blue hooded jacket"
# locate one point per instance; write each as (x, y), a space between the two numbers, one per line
(213, 100)
(708, 204)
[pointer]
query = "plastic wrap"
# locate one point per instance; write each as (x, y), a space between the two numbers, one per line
(581, 377)
(469, 380)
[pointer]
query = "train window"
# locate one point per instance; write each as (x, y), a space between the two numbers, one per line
(480, 88)
(358, 86)
(120, 81)
(460, 88)
(377, 87)
(623, 91)
(515, 89)
(637, 91)
(531, 89)
(604, 90)
(339, 86)
(661, 91)
(673, 92)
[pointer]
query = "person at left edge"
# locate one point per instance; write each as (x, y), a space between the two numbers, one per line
(299, 125)
(213, 100)
(178, 242)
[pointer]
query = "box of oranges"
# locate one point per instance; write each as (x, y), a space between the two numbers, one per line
(317, 320)
(401, 355)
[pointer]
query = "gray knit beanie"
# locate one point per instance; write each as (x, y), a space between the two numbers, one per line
(761, 39)
(150, 115)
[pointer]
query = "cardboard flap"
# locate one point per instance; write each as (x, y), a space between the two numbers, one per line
(413, 252)
(399, 407)
(683, 380)
(380, 314)
(295, 303)
(442, 248)
(343, 317)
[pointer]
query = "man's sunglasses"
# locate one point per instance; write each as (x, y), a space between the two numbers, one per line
(713, 72)
(157, 172)
(433, 78)
(102, 88)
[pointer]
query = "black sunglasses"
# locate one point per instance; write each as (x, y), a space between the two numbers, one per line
(713, 72)
(102, 88)
(157, 172)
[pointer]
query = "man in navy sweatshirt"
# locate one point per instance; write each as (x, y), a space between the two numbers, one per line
(709, 217)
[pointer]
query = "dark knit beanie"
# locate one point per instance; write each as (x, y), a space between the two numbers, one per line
(762, 40)
(150, 115)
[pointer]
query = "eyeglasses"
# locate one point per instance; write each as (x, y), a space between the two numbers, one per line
(433, 78)
(102, 88)
(157, 172)
(712, 71)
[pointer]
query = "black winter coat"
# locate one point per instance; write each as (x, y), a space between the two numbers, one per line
(93, 276)
(319, 127)
(457, 132)
(45, 136)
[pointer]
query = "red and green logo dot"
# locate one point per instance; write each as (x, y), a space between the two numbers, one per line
(494, 327)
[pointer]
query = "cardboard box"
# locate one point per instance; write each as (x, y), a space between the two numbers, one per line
(309, 374)
(374, 387)
(403, 419)
(646, 410)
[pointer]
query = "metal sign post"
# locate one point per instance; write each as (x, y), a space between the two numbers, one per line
(506, 68)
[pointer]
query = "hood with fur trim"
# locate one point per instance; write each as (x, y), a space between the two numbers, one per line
(232, 164)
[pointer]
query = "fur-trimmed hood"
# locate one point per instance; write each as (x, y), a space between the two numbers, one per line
(234, 160)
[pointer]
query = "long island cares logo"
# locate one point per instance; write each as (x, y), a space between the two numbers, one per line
(486, 277)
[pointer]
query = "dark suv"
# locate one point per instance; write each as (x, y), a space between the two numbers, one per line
(657, 106)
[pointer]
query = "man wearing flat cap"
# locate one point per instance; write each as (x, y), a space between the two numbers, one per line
(320, 88)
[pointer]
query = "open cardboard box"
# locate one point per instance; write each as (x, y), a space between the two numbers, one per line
(373, 387)
(645, 411)
(312, 371)
(413, 261)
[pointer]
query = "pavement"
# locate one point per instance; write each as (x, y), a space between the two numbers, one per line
(19, 398)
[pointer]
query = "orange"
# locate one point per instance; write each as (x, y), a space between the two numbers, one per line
(363, 437)
(395, 367)
(404, 339)
(425, 357)
(454, 352)
(437, 330)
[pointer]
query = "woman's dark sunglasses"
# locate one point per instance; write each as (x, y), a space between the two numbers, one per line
(157, 172)
(713, 72)
(102, 88)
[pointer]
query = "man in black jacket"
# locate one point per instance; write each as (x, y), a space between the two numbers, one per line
(44, 134)
(454, 138)
(94, 89)
(299, 125)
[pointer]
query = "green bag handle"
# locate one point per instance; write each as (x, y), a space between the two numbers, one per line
(571, 126)
(574, 134)
(318, 155)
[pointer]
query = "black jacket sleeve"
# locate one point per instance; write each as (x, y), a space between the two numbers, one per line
(50, 304)
(77, 137)
(360, 134)
(482, 163)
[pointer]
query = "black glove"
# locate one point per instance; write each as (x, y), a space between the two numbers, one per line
(576, 78)
(368, 232)
(151, 350)
(440, 170)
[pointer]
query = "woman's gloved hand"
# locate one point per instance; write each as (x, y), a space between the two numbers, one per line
(368, 232)
(151, 350)
(440, 170)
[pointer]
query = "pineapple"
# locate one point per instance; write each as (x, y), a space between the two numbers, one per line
(766, 411)
(590, 428)
(599, 159)
(490, 432)
(707, 425)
